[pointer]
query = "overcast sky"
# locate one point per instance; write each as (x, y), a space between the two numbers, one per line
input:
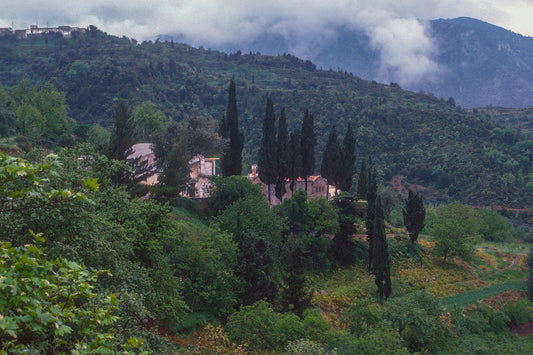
(396, 27)
(221, 20)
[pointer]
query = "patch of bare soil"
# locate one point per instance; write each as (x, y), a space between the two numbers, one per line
(522, 330)
(499, 301)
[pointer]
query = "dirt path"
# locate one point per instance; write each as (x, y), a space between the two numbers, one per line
(513, 261)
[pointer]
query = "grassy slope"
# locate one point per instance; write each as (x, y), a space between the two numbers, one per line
(455, 282)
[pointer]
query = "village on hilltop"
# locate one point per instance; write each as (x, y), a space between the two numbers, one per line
(36, 31)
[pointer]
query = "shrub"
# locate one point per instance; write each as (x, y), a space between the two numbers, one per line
(519, 312)
(307, 347)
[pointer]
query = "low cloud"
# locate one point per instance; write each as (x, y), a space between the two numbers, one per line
(396, 28)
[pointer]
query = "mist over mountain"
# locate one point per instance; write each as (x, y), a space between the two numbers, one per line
(477, 63)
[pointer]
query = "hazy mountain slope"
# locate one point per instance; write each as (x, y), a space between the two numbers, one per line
(481, 64)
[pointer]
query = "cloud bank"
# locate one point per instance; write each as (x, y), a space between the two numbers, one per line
(396, 29)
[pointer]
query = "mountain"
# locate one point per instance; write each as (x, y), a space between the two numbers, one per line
(479, 64)
(429, 141)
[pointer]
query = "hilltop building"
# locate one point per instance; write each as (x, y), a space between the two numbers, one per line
(36, 31)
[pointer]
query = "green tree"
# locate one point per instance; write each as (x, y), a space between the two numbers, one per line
(296, 212)
(417, 319)
(456, 229)
(380, 259)
(123, 137)
(231, 160)
(414, 214)
(41, 111)
(372, 197)
(206, 265)
(295, 295)
(257, 231)
(329, 169)
(343, 249)
(202, 136)
(295, 157)
(283, 154)
(170, 150)
(8, 122)
(225, 191)
(98, 136)
(308, 143)
(148, 120)
(362, 181)
(46, 306)
(262, 328)
(267, 156)
(496, 228)
(347, 161)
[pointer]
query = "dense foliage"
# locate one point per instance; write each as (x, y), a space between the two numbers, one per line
(424, 138)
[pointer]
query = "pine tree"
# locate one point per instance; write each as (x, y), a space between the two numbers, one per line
(123, 136)
(295, 157)
(414, 214)
(380, 266)
(170, 149)
(362, 182)
(347, 161)
(283, 152)
(120, 148)
(331, 159)
(308, 147)
(176, 172)
(231, 160)
(267, 156)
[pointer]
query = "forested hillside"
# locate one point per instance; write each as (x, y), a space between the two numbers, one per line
(427, 139)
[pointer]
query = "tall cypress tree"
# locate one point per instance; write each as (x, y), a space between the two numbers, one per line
(295, 157)
(267, 156)
(372, 196)
(347, 161)
(295, 295)
(308, 147)
(362, 182)
(414, 214)
(231, 160)
(283, 152)
(380, 259)
(331, 159)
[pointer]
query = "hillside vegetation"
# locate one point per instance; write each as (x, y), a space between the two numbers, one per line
(429, 140)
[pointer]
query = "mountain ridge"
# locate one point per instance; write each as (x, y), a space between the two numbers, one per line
(480, 64)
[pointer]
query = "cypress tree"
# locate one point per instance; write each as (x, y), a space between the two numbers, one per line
(295, 295)
(294, 157)
(342, 250)
(231, 160)
(331, 159)
(347, 161)
(267, 156)
(308, 147)
(380, 259)
(283, 151)
(414, 214)
(370, 215)
(362, 182)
